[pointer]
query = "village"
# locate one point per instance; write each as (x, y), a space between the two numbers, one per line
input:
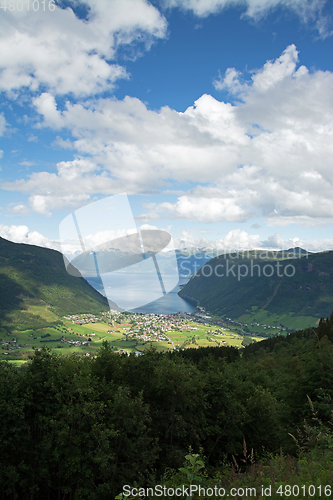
(133, 332)
(174, 331)
(143, 327)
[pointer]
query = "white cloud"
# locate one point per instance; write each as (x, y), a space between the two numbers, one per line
(301, 220)
(308, 10)
(147, 227)
(188, 240)
(272, 73)
(237, 240)
(32, 138)
(201, 209)
(276, 241)
(234, 240)
(62, 54)
(58, 51)
(18, 209)
(27, 163)
(21, 234)
(269, 154)
(141, 148)
(42, 204)
(2, 124)
(46, 105)
(230, 81)
(316, 245)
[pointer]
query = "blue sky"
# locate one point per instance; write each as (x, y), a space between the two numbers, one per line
(214, 116)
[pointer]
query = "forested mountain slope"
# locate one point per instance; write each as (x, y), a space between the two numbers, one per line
(28, 271)
(279, 283)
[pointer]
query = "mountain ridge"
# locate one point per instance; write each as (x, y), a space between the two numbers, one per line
(308, 291)
(29, 271)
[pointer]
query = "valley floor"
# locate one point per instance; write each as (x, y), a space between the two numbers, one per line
(125, 332)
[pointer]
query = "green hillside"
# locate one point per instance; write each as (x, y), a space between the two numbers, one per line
(252, 283)
(31, 272)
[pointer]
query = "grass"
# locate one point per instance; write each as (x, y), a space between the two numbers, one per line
(98, 332)
(289, 320)
(203, 339)
(38, 307)
(280, 477)
(16, 362)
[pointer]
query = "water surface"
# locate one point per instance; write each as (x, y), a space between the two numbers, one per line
(126, 288)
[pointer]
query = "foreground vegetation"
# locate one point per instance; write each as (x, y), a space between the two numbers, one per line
(73, 427)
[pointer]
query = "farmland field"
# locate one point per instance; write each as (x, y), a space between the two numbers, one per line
(125, 332)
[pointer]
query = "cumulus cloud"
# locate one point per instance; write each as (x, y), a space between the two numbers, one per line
(18, 209)
(264, 79)
(22, 234)
(234, 240)
(201, 209)
(71, 187)
(147, 227)
(269, 154)
(229, 81)
(276, 241)
(46, 105)
(42, 204)
(62, 53)
(238, 240)
(308, 10)
(302, 220)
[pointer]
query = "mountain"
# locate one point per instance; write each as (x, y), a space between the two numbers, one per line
(290, 282)
(31, 272)
(190, 260)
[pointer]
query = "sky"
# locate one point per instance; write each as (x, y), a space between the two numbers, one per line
(215, 117)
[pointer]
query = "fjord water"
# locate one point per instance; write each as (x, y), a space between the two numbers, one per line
(126, 287)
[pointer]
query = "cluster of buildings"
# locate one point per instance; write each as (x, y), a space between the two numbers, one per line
(268, 326)
(151, 327)
(82, 319)
(11, 345)
(279, 327)
(74, 342)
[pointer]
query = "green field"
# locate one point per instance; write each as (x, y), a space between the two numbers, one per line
(286, 320)
(38, 307)
(66, 337)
